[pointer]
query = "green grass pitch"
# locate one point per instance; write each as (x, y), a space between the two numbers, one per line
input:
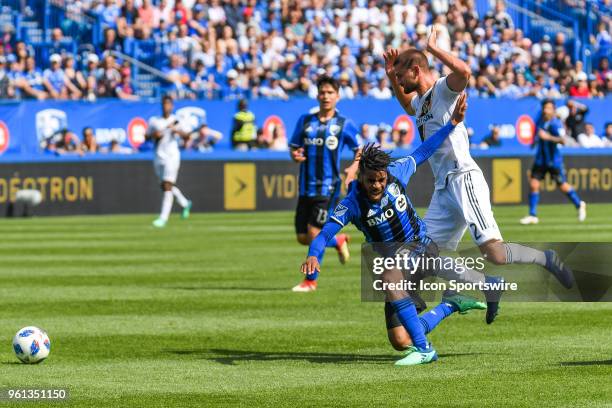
(200, 314)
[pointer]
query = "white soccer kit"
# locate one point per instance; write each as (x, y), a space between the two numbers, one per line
(461, 198)
(167, 154)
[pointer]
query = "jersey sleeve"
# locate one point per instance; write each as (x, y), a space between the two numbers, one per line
(444, 90)
(297, 140)
(403, 169)
(555, 128)
(351, 135)
(345, 211)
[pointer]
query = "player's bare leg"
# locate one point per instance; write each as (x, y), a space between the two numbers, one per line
(166, 207)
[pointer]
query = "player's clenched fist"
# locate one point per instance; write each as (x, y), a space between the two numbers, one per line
(460, 108)
(310, 265)
(298, 155)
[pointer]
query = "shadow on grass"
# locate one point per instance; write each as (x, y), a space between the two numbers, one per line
(11, 363)
(230, 357)
(231, 288)
(586, 363)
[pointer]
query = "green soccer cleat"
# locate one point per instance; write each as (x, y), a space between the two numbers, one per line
(186, 210)
(159, 223)
(463, 303)
(416, 356)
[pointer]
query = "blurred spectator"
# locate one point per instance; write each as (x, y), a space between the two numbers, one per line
(6, 88)
(580, 89)
(89, 144)
(64, 142)
(575, 121)
(608, 134)
(381, 91)
(492, 140)
(204, 139)
(589, 139)
(31, 81)
(279, 141)
(244, 131)
(56, 82)
(116, 148)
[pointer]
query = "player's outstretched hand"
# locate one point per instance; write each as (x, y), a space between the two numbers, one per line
(432, 41)
(390, 57)
(310, 265)
(460, 108)
(298, 155)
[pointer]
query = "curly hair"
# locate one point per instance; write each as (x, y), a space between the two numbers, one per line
(373, 158)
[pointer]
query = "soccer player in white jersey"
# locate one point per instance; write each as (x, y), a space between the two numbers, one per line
(461, 198)
(165, 131)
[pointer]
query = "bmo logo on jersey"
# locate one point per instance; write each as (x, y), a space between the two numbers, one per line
(331, 142)
(379, 219)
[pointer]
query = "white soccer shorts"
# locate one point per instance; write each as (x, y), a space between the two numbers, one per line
(167, 170)
(463, 203)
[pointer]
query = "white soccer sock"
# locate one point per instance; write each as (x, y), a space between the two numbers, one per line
(166, 207)
(519, 254)
(180, 198)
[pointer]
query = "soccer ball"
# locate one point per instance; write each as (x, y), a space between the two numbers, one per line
(31, 345)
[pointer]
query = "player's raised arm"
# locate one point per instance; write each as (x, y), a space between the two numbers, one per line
(428, 147)
(403, 98)
(461, 72)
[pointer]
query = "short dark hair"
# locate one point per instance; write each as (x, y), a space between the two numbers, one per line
(167, 97)
(242, 104)
(326, 79)
(373, 158)
(412, 57)
(546, 102)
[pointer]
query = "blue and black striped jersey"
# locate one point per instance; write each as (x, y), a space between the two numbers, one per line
(322, 142)
(393, 218)
(547, 152)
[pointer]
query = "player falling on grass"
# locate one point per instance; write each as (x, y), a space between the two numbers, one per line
(316, 144)
(378, 205)
(548, 137)
(461, 197)
(165, 132)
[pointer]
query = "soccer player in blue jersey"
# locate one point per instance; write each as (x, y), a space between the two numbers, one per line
(548, 137)
(378, 205)
(316, 144)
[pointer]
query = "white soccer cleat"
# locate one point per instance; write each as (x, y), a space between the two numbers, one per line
(582, 211)
(530, 219)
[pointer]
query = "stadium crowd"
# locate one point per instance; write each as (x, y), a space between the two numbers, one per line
(275, 49)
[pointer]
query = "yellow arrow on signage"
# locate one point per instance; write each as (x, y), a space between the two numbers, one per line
(239, 186)
(507, 181)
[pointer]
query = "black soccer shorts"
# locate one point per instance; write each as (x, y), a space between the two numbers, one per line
(311, 211)
(557, 173)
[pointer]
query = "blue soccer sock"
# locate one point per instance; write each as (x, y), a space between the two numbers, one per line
(429, 320)
(534, 198)
(315, 274)
(407, 314)
(332, 242)
(573, 197)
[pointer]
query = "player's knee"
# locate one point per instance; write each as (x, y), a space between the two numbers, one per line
(534, 184)
(399, 339)
(166, 186)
